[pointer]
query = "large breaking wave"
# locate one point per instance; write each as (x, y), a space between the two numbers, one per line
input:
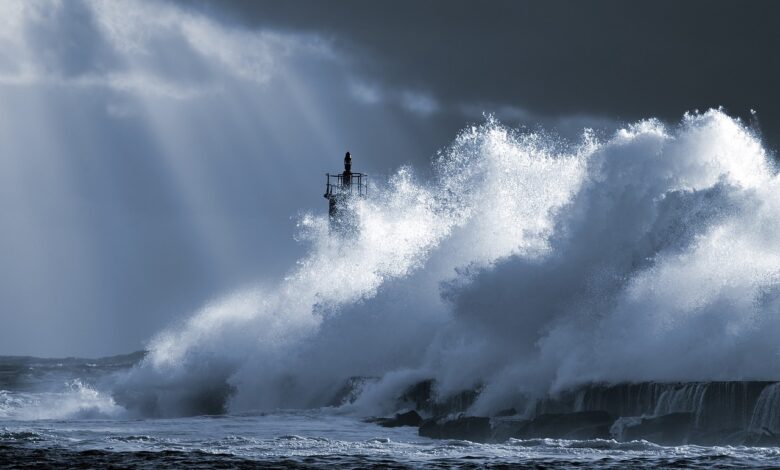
(525, 265)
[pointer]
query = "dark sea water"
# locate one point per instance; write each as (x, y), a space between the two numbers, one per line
(320, 438)
(53, 414)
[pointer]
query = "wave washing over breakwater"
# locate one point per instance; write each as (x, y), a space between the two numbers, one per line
(525, 266)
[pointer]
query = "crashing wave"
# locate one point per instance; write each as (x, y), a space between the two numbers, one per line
(526, 265)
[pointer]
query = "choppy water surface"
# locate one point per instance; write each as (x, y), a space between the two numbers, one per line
(320, 438)
(53, 413)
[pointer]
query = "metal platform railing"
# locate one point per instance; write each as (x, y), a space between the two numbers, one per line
(352, 184)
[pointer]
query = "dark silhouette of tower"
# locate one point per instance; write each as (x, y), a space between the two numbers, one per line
(340, 188)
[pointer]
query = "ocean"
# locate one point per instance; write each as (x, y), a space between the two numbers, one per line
(53, 414)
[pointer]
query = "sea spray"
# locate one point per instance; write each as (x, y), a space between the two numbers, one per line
(660, 269)
(525, 265)
(74, 399)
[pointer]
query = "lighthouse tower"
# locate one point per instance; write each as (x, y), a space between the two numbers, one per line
(340, 190)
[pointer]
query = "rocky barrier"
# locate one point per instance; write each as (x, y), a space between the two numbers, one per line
(705, 413)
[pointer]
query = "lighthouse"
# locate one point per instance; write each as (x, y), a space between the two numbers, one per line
(340, 190)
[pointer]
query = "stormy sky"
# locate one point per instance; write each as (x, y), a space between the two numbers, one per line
(155, 155)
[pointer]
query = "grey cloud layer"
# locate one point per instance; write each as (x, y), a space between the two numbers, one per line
(611, 58)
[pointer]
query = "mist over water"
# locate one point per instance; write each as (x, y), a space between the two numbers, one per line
(526, 265)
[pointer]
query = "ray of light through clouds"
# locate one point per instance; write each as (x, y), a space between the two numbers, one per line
(153, 157)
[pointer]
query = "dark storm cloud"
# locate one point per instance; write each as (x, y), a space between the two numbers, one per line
(624, 60)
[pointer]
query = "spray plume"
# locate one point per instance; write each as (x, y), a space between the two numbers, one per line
(525, 265)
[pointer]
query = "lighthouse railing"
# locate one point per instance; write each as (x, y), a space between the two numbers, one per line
(356, 184)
